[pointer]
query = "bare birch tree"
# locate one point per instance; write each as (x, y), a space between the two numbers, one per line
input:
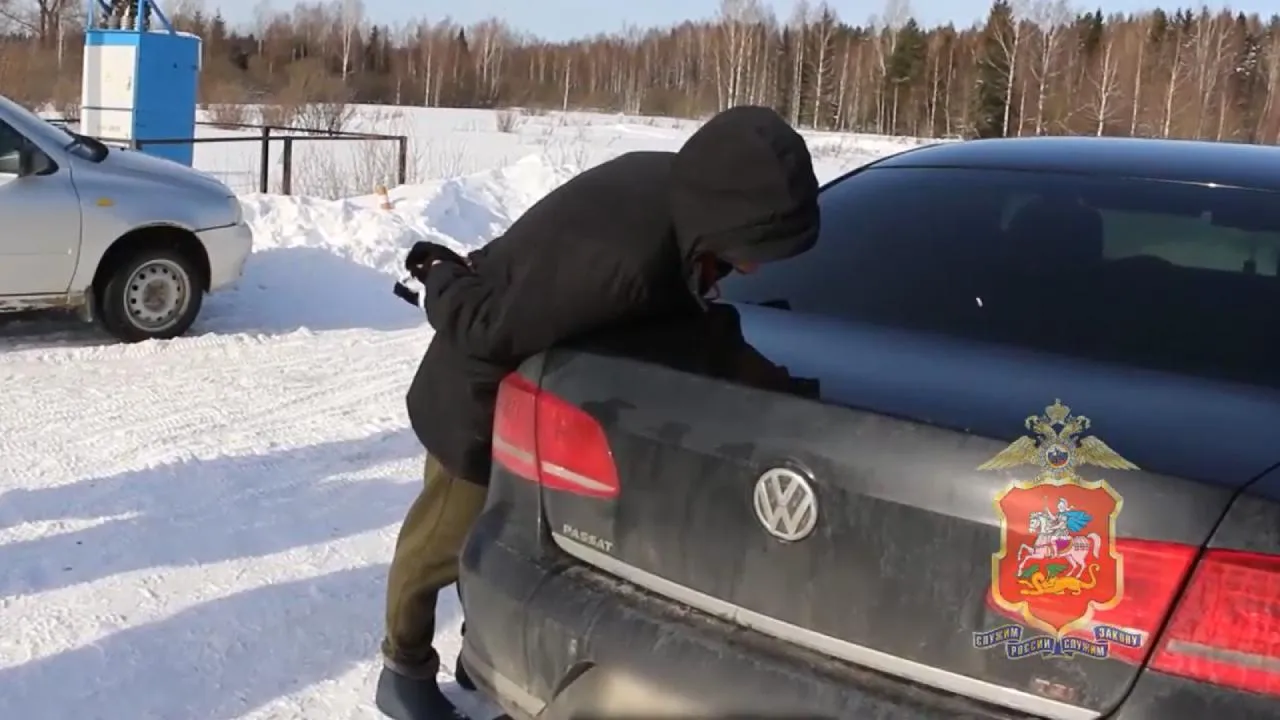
(1177, 67)
(1105, 79)
(1143, 29)
(263, 15)
(822, 35)
(736, 28)
(351, 18)
(1209, 43)
(886, 31)
(1271, 106)
(1050, 18)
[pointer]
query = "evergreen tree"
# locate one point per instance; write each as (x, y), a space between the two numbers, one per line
(464, 73)
(373, 51)
(1246, 82)
(217, 30)
(994, 65)
(905, 70)
(786, 85)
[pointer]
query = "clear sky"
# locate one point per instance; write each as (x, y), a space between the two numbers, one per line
(563, 19)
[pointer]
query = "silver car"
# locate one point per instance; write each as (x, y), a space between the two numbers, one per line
(126, 239)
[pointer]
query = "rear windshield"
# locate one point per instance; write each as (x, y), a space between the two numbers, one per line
(1162, 275)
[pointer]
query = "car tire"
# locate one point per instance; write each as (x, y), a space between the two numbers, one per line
(154, 295)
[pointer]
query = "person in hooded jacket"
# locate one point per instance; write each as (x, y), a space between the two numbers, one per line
(641, 237)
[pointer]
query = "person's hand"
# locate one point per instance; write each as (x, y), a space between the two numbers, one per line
(425, 254)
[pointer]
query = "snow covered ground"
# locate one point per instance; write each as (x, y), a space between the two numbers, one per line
(199, 529)
(447, 143)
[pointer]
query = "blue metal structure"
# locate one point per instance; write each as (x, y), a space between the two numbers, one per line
(139, 82)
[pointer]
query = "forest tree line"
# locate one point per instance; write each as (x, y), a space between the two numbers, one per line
(1030, 67)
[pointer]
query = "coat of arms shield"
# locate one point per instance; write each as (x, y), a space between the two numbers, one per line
(1057, 562)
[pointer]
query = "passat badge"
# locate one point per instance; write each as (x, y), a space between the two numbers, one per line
(1057, 561)
(785, 504)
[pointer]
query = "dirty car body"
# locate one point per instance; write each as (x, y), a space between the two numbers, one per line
(626, 566)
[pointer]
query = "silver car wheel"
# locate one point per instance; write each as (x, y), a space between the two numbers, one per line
(157, 295)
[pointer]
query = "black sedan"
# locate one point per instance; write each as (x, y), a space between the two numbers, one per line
(1004, 444)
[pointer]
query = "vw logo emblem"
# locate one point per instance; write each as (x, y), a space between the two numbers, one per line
(786, 504)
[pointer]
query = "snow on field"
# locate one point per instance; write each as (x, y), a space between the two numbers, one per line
(449, 143)
(199, 528)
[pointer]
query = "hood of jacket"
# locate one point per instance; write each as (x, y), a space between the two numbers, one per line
(743, 189)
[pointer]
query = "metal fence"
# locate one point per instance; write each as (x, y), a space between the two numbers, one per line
(268, 134)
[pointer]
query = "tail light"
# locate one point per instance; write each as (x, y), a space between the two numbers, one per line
(1226, 627)
(1153, 573)
(554, 443)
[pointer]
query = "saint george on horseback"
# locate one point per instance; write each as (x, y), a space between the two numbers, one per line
(1056, 538)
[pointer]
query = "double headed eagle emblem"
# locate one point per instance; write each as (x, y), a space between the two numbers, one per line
(1057, 447)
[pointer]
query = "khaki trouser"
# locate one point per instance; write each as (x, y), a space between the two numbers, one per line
(426, 562)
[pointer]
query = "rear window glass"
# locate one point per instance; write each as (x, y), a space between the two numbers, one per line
(1163, 275)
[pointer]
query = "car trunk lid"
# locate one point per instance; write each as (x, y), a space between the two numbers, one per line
(861, 520)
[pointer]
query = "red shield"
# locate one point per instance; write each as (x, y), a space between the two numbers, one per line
(1057, 562)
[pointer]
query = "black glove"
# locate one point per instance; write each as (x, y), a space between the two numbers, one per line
(424, 254)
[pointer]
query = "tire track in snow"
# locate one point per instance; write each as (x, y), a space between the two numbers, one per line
(227, 397)
(260, 406)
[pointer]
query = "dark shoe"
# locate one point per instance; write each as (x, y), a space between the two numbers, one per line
(460, 675)
(401, 697)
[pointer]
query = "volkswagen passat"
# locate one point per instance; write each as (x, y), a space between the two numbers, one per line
(1003, 444)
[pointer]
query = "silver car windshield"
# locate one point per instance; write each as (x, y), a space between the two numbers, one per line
(35, 128)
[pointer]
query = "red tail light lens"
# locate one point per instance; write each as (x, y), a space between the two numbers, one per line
(542, 438)
(1153, 572)
(1226, 628)
(513, 427)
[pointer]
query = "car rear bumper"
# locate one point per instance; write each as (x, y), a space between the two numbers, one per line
(228, 248)
(595, 647)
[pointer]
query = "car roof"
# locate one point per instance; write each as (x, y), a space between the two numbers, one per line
(1255, 167)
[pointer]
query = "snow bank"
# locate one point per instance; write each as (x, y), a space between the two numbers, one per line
(329, 265)
(463, 213)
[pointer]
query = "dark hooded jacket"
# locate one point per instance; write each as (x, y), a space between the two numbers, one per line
(614, 245)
